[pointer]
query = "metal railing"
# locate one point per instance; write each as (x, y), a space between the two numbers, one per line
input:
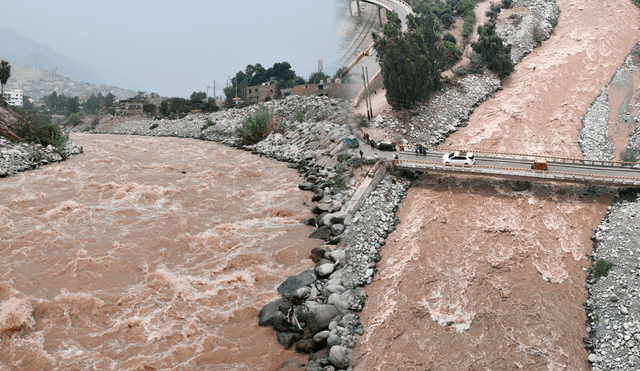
(516, 172)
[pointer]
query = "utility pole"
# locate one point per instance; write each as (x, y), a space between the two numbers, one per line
(368, 92)
(214, 89)
(366, 100)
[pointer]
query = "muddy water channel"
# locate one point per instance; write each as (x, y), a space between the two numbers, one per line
(147, 253)
(483, 274)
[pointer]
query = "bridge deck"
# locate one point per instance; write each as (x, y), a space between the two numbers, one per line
(519, 174)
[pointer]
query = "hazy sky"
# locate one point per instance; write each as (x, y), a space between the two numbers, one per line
(177, 47)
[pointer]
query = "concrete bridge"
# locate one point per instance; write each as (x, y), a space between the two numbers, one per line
(518, 167)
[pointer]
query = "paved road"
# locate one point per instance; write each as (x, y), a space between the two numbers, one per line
(513, 166)
(370, 60)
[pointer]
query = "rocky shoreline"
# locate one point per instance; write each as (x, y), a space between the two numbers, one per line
(18, 157)
(613, 301)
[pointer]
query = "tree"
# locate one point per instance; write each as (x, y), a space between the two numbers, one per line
(26, 103)
(281, 72)
(407, 72)
(494, 54)
(92, 103)
(317, 76)
(109, 99)
(198, 97)
(149, 108)
(5, 73)
(73, 105)
(427, 24)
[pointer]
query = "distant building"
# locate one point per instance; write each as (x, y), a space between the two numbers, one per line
(13, 97)
(261, 92)
(330, 89)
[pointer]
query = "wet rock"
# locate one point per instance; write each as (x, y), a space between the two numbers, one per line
(339, 356)
(306, 346)
(321, 208)
(333, 340)
(321, 336)
(321, 233)
(324, 268)
(320, 316)
(306, 186)
(337, 229)
(272, 313)
(287, 339)
(296, 287)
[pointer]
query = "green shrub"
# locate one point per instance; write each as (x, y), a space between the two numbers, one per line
(602, 268)
(338, 181)
(42, 130)
(299, 116)
(467, 27)
(74, 119)
(254, 127)
(507, 3)
(449, 37)
(629, 155)
(207, 125)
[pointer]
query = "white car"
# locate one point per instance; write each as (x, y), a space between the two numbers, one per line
(459, 158)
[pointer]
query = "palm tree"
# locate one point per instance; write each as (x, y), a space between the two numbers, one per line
(5, 73)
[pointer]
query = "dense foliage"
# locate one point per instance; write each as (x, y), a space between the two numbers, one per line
(318, 76)
(181, 107)
(410, 62)
(39, 129)
(494, 54)
(5, 73)
(256, 74)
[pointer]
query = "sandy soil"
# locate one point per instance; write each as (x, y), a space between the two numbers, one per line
(487, 274)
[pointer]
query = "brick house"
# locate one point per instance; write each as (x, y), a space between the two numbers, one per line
(260, 92)
(330, 89)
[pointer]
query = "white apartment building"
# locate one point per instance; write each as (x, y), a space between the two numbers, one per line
(13, 97)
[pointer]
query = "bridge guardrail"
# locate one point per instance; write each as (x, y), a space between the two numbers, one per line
(550, 175)
(533, 157)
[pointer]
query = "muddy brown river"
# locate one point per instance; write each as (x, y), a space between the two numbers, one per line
(148, 253)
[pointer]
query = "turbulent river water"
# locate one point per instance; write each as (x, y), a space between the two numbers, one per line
(148, 253)
(485, 275)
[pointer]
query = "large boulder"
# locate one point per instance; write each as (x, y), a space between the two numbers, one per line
(297, 287)
(272, 313)
(320, 316)
(321, 233)
(339, 356)
(287, 339)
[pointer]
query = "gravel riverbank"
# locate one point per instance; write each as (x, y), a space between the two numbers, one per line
(613, 302)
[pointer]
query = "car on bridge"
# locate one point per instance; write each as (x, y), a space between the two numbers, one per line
(459, 158)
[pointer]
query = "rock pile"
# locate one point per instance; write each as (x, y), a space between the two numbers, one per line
(529, 23)
(613, 304)
(613, 301)
(317, 312)
(17, 157)
(451, 109)
(223, 124)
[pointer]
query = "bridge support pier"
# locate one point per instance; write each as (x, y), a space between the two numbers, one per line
(347, 3)
(358, 6)
(380, 16)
